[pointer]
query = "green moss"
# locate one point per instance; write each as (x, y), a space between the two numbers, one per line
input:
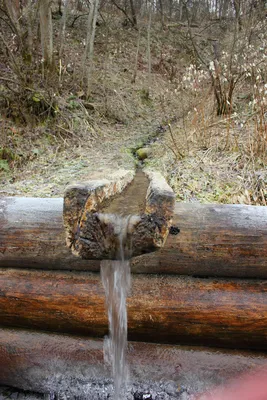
(142, 153)
(4, 166)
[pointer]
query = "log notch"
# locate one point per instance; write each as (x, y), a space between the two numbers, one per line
(59, 363)
(214, 240)
(162, 309)
(92, 233)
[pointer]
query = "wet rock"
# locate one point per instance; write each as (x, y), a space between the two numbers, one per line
(143, 153)
(171, 389)
(142, 396)
(69, 69)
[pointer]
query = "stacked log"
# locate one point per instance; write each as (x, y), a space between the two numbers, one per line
(214, 240)
(162, 309)
(52, 363)
(206, 287)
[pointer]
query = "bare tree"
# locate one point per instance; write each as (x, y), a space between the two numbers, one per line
(131, 18)
(63, 28)
(89, 47)
(13, 12)
(237, 8)
(46, 29)
(149, 50)
(29, 23)
(136, 57)
(133, 12)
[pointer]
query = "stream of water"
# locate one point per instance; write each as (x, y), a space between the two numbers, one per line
(116, 279)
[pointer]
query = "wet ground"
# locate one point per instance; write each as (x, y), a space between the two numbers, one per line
(132, 201)
(103, 391)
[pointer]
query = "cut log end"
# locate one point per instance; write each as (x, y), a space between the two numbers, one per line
(92, 234)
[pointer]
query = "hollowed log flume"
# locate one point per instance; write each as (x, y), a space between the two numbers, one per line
(161, 309)
(50, 363)
(214, 240)
(146, 202)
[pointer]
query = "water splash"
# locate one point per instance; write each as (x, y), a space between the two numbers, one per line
(116, 279)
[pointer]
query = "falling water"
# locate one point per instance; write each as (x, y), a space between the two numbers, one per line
(116, 276)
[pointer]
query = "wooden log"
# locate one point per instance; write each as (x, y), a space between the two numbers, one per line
(32, 235)
(50, 363)
(93, 234)
(214, 240)
(161, 309)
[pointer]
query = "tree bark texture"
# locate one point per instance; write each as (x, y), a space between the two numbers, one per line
(46, 32)
(161, 309)
(214, 240)
(46, 362)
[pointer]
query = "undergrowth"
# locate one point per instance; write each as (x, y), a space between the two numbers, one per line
(49, 125)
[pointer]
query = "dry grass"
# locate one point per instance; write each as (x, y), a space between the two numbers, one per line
(219, 160)
(99, 130)
(203, 157)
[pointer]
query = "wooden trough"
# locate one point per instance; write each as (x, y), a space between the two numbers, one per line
(205, 286)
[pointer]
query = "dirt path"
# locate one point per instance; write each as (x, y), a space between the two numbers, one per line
(48, 174)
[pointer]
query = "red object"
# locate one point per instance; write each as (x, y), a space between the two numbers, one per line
(252, 386)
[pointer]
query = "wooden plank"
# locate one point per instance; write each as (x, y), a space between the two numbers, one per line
(46, 362)
(161, 309)
(215, 240)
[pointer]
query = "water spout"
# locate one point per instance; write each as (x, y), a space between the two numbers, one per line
(116, 276)
(102, 224)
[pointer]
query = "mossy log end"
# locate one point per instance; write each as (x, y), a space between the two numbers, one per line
(214, 240)
(161, 309)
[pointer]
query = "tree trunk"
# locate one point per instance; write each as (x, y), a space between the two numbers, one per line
(136, 57)
(60, 7)
(224, 8)
(29, 21)
(79, 5)
(48, 363)
(161, 309)
(133, 13)
(46, 29)
(63, 28)
(89, 30)
(170, 9)
(223, 93)
(161, 13)
(237, 7)
(13, 11)
(149, 52)
(181, 6)
(91, 48)
(214, 240)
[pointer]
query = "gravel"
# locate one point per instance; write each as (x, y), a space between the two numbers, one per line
(104, 391)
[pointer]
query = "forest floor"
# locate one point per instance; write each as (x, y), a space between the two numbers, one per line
(204, 158)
